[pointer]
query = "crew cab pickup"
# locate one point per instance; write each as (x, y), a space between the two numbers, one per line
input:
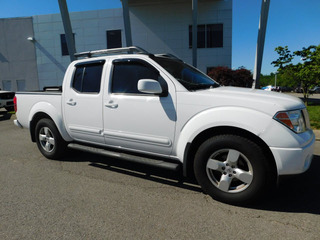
(155, 109)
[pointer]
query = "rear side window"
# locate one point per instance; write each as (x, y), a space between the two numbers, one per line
(126, 75)
(87, 77)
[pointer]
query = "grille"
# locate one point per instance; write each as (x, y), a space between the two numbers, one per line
(9, 95)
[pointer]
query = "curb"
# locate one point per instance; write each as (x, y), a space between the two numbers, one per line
(317, 133)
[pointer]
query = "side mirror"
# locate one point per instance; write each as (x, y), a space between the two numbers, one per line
(149, 86)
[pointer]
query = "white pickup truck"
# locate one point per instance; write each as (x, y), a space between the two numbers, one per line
(158, 110)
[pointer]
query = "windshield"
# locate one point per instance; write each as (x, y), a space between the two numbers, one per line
(190, 77)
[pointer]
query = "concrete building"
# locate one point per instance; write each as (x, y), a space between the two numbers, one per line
(156, 26)
(18, 68)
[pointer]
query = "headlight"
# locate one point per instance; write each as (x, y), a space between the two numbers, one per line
(293, 120)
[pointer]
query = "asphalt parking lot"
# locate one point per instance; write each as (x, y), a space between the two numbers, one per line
(88, 197)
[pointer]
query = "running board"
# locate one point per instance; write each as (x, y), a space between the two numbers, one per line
(132, 158)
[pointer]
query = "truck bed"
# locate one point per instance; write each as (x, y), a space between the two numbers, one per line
(37, 101)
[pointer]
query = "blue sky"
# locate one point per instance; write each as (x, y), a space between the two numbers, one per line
(295, 23)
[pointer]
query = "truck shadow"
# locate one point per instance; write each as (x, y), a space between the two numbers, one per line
(172, 178)
(295, 194)
(4, 115)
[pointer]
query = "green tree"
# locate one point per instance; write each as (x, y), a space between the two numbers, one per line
(266, 80)
(306, 73)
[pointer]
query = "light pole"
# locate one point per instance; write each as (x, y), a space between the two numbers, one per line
(275, 79)
(260, 43)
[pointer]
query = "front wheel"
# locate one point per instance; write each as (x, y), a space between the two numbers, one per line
(49, 140)
(231, 169)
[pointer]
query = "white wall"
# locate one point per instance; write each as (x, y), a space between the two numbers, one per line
(158, 28)
(17, 55)
(164, 27)
(90, 34)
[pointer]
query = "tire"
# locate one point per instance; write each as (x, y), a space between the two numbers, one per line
(49, 140)
(232, 169)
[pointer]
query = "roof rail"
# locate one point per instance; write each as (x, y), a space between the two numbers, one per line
(168, 55)
(130, 50)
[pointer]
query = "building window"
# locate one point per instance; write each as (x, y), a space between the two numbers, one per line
(21, 85)
(209, 36)
(64, 46)
(114, 39)
(6, 85)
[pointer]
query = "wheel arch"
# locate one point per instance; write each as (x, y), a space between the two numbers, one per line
(33, 123)
(42, 115)
(192, 147)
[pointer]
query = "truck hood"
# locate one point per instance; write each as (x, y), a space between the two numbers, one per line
(260, 100)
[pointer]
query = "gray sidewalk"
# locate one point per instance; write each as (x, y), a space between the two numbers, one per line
(317, 133)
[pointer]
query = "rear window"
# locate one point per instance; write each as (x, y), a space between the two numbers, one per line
(87, 77)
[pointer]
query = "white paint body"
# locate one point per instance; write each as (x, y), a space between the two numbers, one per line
(163, 126)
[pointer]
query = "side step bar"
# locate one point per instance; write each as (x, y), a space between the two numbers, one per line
(132, 158)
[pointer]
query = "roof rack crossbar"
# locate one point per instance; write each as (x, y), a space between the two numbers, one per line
(168, 55)
(132, 49)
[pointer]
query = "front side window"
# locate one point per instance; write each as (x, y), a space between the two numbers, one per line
(127, 73)
(87, 77)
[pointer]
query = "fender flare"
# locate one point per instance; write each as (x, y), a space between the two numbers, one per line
(51, 111)
(246, 119)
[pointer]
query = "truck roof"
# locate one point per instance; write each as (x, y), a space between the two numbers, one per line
(120, 51)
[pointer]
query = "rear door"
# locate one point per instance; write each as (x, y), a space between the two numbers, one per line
(83, 111)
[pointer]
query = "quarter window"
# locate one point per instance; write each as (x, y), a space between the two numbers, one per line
(87, 77)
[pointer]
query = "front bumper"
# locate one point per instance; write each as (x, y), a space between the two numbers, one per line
(294, 160)
(6, 103)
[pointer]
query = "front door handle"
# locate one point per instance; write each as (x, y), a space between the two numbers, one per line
(71, 102)
(111, 104)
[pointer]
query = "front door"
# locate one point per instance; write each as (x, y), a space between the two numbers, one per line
(134, 120)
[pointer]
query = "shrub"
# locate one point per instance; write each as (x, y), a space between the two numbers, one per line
(240, 77)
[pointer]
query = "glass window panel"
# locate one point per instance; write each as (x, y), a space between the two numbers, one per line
(214, 35)
(114, 39)
(127, 74)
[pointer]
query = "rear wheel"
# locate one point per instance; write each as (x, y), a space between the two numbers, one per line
(231, 169)
(49, 140)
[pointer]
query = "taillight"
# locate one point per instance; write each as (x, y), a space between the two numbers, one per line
(15, 103)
